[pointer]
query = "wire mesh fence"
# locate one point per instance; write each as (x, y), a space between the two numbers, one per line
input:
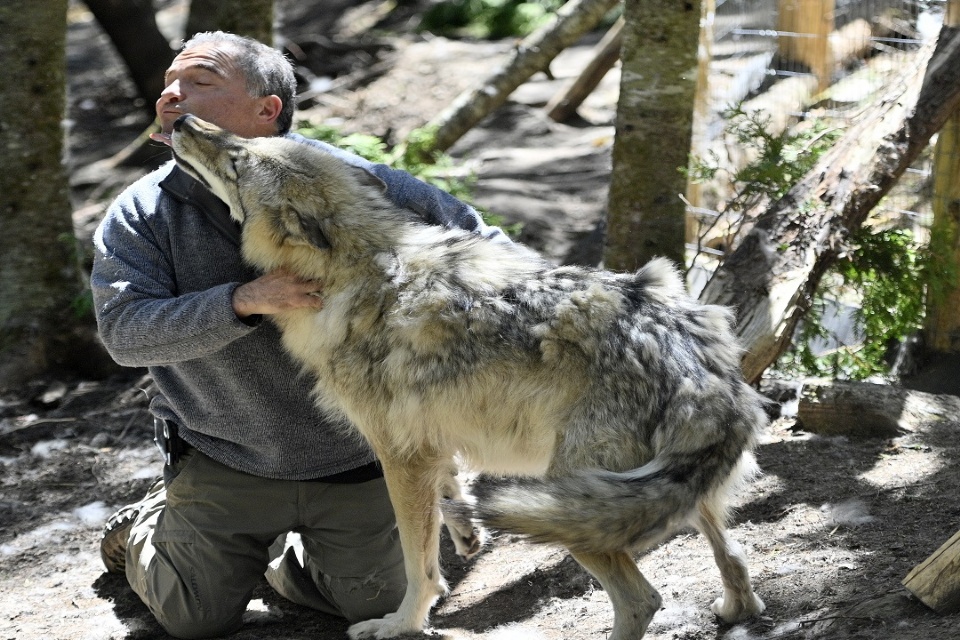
(794, 63)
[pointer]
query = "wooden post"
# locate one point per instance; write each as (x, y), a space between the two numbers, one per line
(805, 27)
(699, 144)
(942, 325)
(936, 580)
(563, 105)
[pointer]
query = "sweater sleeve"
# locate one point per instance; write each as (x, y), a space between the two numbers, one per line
(143, 319)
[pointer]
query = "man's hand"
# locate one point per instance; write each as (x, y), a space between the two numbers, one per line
(274, 292)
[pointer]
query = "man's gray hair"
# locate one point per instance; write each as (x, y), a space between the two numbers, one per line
(267, 70)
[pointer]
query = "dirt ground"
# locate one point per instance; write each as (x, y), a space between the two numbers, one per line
(831, 527)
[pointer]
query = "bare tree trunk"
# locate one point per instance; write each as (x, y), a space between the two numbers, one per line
(646, 215)
(39, 274)
(770, 278)
(533, 54)
(132, 28)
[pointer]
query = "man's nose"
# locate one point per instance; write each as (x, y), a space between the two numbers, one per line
(171, 92)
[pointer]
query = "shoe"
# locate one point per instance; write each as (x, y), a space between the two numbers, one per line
(113, 542)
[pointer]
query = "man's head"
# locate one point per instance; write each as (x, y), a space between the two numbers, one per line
(235, 82)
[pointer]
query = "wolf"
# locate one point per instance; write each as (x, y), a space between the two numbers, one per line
(615, 399)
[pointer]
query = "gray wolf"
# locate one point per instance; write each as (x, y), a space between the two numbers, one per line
(614, 397)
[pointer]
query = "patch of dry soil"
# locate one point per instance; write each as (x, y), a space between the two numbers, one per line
(831, 528)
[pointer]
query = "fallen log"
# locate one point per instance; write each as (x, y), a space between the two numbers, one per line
(866, 410)
(771, 277)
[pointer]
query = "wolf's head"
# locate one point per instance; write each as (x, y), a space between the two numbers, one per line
(290, 197)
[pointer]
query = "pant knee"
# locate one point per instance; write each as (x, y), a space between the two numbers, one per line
(366, 598)
(195, 627)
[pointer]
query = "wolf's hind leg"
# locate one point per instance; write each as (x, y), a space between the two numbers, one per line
(465, 537)
(738, 600)
(634, 599)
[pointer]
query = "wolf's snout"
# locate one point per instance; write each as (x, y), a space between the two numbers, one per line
(178, 123)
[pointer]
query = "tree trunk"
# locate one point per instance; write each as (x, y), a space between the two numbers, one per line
(39, 275)
(942, 325)
(253, 18)
(653, 133)
(771, 277)
(533, 54)
(132, 28)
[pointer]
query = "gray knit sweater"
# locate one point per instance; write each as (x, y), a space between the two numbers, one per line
(166, 264)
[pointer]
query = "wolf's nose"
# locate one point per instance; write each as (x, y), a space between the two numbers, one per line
(179, 122)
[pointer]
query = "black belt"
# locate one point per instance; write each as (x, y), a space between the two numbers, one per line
(365, 473)
(167, 437)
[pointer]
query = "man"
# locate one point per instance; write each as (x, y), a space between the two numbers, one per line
(248, 457)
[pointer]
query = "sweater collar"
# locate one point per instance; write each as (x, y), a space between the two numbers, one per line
(186, 189)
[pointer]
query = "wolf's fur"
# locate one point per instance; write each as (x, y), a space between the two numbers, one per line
(616, 397)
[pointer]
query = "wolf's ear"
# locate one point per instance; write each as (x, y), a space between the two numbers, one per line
(367, 179)
(312, 233)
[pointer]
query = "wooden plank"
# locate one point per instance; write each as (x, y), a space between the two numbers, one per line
(936, 580)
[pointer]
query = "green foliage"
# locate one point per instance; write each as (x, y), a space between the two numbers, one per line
(81, 304)
(433, 168)
(780, 160)
(488, 19)
(940, 271)
(889, 271)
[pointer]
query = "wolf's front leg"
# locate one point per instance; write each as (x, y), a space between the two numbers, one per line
(413, 484)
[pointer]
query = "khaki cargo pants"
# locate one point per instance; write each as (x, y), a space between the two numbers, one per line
(201, 543)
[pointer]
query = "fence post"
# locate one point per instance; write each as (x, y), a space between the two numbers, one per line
(942, 322)
(804, 27)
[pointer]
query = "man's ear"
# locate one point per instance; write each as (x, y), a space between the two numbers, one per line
(270, 108)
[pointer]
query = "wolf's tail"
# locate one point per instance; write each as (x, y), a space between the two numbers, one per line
(601, 511)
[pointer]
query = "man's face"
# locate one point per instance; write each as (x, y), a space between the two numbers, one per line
(205, 81)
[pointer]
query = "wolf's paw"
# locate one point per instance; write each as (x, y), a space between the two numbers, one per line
(457, 517)
(731, 609)
(466, 540)
(389, 626)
